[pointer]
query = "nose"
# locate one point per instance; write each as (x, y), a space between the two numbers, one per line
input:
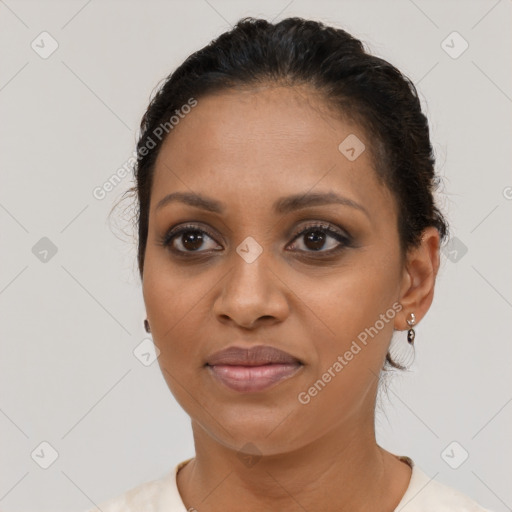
(252, 294)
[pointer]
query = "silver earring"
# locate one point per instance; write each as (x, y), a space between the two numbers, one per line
(146, 325)
(410, 333)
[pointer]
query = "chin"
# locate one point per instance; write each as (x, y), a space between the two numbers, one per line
(265, 433)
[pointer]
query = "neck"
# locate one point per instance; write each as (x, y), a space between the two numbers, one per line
(343, 470)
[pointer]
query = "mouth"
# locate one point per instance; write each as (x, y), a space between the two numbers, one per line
(252, 369)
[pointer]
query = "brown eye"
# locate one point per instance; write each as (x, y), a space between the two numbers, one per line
(189, 239)
(320, 238)
(315, 240)
(192, 240)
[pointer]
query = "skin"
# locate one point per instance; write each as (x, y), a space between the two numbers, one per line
(247, 148)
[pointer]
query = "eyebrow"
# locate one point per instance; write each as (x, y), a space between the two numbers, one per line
(282, 206)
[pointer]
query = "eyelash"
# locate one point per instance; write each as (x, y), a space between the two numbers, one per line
(345, 240)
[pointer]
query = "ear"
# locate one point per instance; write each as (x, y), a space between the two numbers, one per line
(419, 276)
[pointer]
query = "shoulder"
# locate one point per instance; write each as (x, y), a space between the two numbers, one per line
(143, 497)
(153, 496)
(425, 494)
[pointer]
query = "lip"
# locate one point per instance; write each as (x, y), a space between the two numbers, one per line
(252, 369)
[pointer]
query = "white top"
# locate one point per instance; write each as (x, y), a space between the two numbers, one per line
(423, 495)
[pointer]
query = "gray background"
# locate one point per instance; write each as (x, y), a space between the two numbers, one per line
(71, 320)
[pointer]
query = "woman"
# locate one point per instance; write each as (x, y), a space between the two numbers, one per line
(287, 227)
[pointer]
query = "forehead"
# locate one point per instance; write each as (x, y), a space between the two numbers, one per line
(263, 140)
(271, 118)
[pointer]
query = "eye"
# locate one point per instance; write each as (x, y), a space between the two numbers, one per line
(188, 238)
(320, 236)
(315, 238)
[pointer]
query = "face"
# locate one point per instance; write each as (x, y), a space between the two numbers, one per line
(287, 241)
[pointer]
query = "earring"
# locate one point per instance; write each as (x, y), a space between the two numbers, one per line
(410, 333)
(146, 325)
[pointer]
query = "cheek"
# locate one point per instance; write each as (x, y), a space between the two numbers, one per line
(173, 305)
(355, 307)
(352, 298)
(353, 315)
(173, 301)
